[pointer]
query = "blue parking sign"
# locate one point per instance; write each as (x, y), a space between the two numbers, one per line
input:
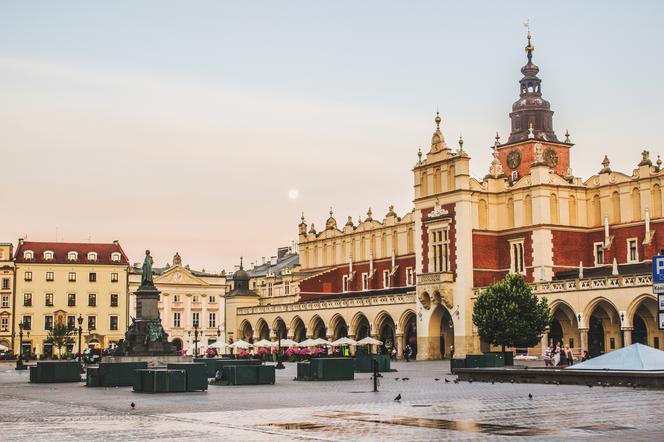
(658, 274)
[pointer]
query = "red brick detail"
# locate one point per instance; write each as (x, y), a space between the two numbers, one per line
(527, 151)
(492, 252)
(451, 209)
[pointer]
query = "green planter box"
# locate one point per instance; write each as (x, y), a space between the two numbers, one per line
(475, 361)
(457, 363)
(160, 381)
(92, 377)
(210, 364)
(249, 374)
(328, 369)
(303, 371)
(55, 371)
(494, 359)
(220, 364)
(114, 374)
(196, 377)
(364, 363)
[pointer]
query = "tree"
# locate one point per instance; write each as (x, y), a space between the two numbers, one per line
(60, 335)
(509, 314)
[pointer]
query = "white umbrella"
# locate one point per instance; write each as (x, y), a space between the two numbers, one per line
(344, 342)
(241, 344)
(369, 341)
(285, 343)
(307, 343)
(3, 348)
(321, 341)
(264, 343)
(218, 344)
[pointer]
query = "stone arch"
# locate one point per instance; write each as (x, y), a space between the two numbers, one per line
(642, 314)
(656, 201)
(553, 206)
(279, 328)
(603, 324)
(317, 327)
(338, 327)
(571, 208)
(298, 329)
(360, 326)
(385, 329)
(262, 329)
(177, 343)
(635, 196)
(441, 332)
(595, 211)
(483, 214)
(246, 332)
(510, 212)
(564, 325)
(406, 316)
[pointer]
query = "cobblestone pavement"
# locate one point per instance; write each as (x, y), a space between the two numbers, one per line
(348, 410)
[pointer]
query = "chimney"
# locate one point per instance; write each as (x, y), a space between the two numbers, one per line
(273, 260)
(116, 242)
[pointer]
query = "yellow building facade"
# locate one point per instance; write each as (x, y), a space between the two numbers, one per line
(57, 282)
(6, 293)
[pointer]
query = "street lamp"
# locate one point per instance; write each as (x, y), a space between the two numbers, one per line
(80, 338)
(196, 338)
(280, 362)
(19, 360)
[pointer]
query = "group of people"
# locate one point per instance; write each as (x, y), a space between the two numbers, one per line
(559, 356)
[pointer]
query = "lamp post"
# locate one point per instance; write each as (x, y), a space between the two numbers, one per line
(19, 359)
(79, 320)
(280, 362)
(195, 338)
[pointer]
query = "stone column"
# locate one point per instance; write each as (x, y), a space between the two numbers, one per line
(399, 338)
(627, 333)
(583, 332)
(545, 341)
(353, 348)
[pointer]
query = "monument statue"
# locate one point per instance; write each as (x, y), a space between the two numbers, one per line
(146, 274)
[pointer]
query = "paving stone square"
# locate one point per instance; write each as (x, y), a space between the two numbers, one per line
(343, 411)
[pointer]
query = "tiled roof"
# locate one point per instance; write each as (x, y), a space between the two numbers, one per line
(286, 261)
(137, 270)
(61, 250)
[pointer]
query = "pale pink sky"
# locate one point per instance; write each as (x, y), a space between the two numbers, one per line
(184, 129)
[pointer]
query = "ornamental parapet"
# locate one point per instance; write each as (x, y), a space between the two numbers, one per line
(573, 285)
(434, 278)
(364, 301)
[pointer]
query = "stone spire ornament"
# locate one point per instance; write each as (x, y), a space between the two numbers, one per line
(645, 159)
(605, 165)
(349, 223)
(460, 143)
(369, 215)
(567, 138)
(437, 139)
(419, 155)
(497, 138)
(659, 163)
(531, 133)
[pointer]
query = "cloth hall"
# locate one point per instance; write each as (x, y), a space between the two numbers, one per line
(584, 243)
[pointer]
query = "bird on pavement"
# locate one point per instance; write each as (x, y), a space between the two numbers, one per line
(470, 381)
(447, 381)
(456, 381)
(406, 379)
(530, 396)
(398, 398)
(436, 379)
(396, 379)
(133, 405)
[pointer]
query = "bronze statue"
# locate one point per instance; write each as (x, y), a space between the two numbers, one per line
(146, 276)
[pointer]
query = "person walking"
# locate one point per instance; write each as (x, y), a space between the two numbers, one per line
(393, 354)
(548, 356)
(557, 356)
(569, 356)
(585, 356)
(408, 352)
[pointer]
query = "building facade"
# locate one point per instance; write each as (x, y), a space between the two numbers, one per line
(57, 282)
(585, 244)
(189, 298)
(6, 294)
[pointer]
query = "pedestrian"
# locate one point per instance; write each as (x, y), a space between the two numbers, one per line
(569, 357)
(557, 356)
(408, 352)
(548, 356)
(393, 354)
(585, 356)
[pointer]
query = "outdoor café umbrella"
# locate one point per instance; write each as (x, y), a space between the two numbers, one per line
(218, 344)
(286, 343)
(342, 342)
(241, 344)
(321, 341)
(3, 348)
(369, 341)
(264, 343)
(307, 343)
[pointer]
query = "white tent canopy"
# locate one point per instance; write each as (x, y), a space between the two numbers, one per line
(285, 343)
(307, 343)
(369, 341)
(321, 341)
(3, 348)
(633, 357)
(344, 342)
(241, 344)
(218, 344)
(264, 343)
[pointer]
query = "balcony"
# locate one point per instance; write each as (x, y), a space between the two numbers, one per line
(435, 278)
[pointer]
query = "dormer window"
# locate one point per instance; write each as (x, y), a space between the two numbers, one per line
(28, 254)
(92, 256)
(48, 255)
(115, 257)
(72, 256)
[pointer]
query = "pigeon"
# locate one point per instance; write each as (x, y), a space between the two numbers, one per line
(398, 398)
(447, 381)
(470, 381)
(590, 385)
(493, 382)
(456, 381)
(405, 379)
(396, 379)
(512, 381)
(530, 396)
(436, 379)
(133, 405)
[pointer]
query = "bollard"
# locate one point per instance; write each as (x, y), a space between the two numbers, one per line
(375, 375)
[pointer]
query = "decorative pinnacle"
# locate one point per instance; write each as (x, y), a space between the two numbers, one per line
(460, 143)
(529, 48)
(240, 263)
(567, 138)
(438, 120)
(605, 161)
(369, 218)
(330, 211)
(302, 218)
(531, 133)
(497, 143)
(419, 154)
(659, 162)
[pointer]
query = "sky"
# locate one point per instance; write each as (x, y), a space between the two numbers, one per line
(208, 127)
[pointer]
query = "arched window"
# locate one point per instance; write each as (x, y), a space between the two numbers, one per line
(383, 245)
(423, 184)
(510, 213)
(656, 201)
(92, 256)
(436, 180)
(571, 208)
(72, 256)
(636, 204)
(451, 178)
(483, 214)
(28, 254)
(411, 247)
(115, 257)
(48, 255)
(595, 214)
(553, 206)
(527, 210)
(615, 207)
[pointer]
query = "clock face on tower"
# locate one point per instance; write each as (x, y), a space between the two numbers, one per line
(514, 159)
(550, 157)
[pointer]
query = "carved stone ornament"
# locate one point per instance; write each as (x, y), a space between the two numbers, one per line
(514, 159)
(425, 300)
(550, 157)
(539, 156)
(438, 211)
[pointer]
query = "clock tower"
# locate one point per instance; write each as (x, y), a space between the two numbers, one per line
(532, 139)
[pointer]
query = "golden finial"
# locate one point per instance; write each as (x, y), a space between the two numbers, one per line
(438, 120)
(302, 218)
(419, 154)
(497, 143)
(460, 142)
(330, 211)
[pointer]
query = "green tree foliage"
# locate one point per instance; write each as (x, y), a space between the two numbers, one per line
(509, 314)
(60, 335)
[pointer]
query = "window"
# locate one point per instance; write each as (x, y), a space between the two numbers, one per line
(71, 300)
(194, 319)
(92, 256)
(114, 277)
(598, 250)
(72, 276)
(4, 323)
(48, 322)
(410, 280)
(176, 319)
(92, 300)
(71, 322)
(27, 299)
(27, 322)
(441, 250)
(5, 301)
(212, 320)
(269, 289)
(176, 298)
(92, 277)
(365, 281)
(632, 250)
(114, 322)
(115, 257)
(344, 283)
(48, 300)
(212, 299)
(386, 279)
(287, 288)
(114, 299)
(516, 257)
(195, 298)
(92, 323)
(48, 255)
(28, 255)
(27, 276)
(50, 276)
(5, 283)
(72, 256)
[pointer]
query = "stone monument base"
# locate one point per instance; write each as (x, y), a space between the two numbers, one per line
(153, 361)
